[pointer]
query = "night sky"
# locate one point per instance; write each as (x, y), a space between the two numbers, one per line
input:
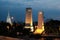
(17, 9)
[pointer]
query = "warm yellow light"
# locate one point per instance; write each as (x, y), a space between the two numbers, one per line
(43, 27)
(38, 31)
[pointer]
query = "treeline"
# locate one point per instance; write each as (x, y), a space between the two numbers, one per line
(51, 27)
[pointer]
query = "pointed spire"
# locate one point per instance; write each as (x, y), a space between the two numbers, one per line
(9, 19)
(8, 13)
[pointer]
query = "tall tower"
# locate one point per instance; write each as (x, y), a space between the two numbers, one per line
(40, 27)
(28, 20)
(9, 19)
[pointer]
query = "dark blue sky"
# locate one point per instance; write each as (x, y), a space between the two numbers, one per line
(17, 9)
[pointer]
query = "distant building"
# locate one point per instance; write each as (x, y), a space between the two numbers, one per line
(40, 27)
(9, 19)
(28, 19)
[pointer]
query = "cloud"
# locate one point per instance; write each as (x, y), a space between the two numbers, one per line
(49, 4)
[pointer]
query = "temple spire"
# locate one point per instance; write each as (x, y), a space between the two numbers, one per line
(9, 19)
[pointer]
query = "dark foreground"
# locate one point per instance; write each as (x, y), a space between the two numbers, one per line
(27, 38)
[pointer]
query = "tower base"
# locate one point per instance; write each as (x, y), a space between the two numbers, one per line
(38, 31)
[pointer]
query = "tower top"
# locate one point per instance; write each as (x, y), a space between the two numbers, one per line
(28, 9)
(8, 14)
(40, 12)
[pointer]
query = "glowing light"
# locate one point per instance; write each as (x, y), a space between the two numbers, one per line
(38, 31)
(29, 10)
(8, 27)
(32, 29)
(40, 12)
(12, 17)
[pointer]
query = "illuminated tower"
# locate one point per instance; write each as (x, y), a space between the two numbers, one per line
(28, 20)
(40, 27)
(9, 19)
